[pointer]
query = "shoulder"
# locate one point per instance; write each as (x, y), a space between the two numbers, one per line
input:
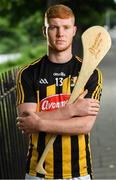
(78, 62)
(97, 73)
(79, 59)
(33, 65)
(29, 69)
(96, 77)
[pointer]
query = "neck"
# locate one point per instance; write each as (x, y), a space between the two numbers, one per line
(59, 56)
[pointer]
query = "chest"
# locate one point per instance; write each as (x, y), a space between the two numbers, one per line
(54, 85)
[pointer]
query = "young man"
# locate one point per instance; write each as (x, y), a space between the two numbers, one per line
(45, 86)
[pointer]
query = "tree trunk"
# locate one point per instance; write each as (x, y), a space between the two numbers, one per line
(51, 2)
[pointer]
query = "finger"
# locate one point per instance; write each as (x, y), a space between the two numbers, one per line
(95, 113)
(23, 131)
(94, 110)
(83, 94)
(20, 119)
(95, 105)
(17, 118)
(94, 101)
(20, 125)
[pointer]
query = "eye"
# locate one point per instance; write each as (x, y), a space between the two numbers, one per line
(52, 27)
(66, 27)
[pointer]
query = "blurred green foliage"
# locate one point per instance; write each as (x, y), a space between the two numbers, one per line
(27, 31)
(21, 22)
(29, 54)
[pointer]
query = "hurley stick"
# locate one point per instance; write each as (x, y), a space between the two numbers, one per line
(96, 43)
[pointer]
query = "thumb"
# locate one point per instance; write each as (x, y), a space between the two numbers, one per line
(83, 94)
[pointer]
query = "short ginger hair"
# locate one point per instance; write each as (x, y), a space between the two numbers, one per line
(59, 11)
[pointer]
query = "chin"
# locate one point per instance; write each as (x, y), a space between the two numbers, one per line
(62, 48)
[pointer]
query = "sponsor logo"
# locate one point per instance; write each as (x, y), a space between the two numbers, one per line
(61, 74)
(53, 102)
(43, 81)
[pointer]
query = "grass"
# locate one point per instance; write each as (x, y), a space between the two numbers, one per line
(28, 54)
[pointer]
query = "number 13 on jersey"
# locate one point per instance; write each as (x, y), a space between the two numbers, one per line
(59, 81)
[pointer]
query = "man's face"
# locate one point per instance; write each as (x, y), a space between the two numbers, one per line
(60, 33)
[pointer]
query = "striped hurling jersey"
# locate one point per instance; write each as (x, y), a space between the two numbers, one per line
(49, 85)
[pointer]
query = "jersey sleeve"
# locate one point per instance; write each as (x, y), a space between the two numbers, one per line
(94, 85)
(25, 87)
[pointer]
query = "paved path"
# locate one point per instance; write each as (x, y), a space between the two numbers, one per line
(103, 137)
(9, 57)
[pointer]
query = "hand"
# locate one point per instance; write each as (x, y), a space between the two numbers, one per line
(29, 122)
(85, 106)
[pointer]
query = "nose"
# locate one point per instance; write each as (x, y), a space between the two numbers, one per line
(60, 32)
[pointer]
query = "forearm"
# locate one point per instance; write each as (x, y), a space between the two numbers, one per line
(70, 119)
(73, 126)
(81, 107)
(65, 112)
(62, 113)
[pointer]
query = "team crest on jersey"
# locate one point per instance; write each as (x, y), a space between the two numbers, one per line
(53, 102)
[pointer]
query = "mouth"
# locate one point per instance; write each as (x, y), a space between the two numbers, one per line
(60, 41)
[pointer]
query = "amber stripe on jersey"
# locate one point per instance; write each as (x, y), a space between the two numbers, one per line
(20, 92)
(97, 91)
(66, 86)
(79, 59)
(34, 154)
(99, 85)
(38, 102)
(82, 154)
(51, 90)
(49, 161)
(97, 88)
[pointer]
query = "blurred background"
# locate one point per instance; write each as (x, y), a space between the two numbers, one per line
(21, 21)
(21, 42)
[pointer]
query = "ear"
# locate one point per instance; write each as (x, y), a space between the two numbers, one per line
(44, 30)
(75, 30)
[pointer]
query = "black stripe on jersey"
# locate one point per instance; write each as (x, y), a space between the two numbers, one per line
(58, 89)
(42, 92)
(58, 157)
(88, 156)
(40, 148)
(29, 156)
(75, 156)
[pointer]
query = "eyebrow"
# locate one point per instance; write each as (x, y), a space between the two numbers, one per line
(55, 25)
